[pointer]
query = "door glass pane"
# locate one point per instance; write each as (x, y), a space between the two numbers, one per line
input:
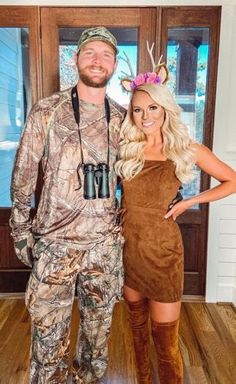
(14, 100)
(127, 39)
(187, 60)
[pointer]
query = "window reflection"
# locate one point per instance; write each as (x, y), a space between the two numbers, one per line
(127, 45)
(187, 60)
(14, 100)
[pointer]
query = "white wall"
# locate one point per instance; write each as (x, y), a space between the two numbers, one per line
(221, 265)
(221, 268)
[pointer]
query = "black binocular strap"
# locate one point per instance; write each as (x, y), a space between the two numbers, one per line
(75, 104)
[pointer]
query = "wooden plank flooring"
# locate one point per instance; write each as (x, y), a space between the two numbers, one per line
(207, 339)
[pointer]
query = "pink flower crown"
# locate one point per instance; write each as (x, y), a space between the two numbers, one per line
(147, 77)
(158, 76)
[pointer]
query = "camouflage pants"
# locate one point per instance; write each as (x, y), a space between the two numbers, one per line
(58, 270)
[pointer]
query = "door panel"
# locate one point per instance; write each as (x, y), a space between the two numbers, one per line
(19, 89)
(13, 274)
(190, 41)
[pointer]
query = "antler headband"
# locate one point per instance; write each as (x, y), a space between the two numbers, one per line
(159, 74)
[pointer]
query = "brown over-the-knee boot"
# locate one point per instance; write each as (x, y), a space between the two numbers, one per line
(139, 314)
(170, 364)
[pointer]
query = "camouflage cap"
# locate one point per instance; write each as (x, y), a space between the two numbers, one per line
(99, 34)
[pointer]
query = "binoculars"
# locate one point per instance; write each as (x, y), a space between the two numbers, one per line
(96, 174)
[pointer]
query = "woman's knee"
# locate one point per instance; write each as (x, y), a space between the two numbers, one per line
(164, 312)
(132, 295)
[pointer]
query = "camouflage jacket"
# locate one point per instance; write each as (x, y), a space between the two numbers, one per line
(51, 135)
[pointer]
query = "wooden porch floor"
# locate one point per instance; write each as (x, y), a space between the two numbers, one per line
(207, 339)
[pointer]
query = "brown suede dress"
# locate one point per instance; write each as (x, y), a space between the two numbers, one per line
(153, 250)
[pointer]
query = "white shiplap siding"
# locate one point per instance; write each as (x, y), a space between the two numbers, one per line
(227, 251)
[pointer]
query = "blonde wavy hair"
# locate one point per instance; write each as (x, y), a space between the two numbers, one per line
(176, 139)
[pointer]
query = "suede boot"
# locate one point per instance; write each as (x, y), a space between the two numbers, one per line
(139, 314)
(170, 364)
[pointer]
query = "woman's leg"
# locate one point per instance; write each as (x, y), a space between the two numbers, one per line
(165, 331)
(139, 314)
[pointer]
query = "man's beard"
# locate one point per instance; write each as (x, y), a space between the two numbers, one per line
(87, 80)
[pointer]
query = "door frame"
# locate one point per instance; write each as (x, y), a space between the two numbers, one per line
(153, 24)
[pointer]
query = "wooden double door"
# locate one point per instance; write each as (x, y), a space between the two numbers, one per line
(45, 39)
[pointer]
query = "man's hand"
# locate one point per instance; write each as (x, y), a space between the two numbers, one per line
(120, 216)
(23, 249)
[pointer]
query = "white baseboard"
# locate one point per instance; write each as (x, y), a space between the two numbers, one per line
(226, 293)
(234, 297)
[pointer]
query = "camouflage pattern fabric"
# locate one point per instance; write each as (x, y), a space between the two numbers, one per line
(78, 241)
(98, 276)
(51, 135)
(97, 33)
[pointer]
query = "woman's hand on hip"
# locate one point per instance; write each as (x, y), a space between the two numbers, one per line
(178, 209)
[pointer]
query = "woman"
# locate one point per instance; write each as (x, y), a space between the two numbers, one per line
(156, 156)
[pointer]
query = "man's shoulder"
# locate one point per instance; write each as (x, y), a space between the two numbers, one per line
(53, 101)
(116, 107)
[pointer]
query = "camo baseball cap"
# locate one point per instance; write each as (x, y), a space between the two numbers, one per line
(99, 34)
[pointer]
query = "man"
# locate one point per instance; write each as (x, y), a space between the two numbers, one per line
(73, 241)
